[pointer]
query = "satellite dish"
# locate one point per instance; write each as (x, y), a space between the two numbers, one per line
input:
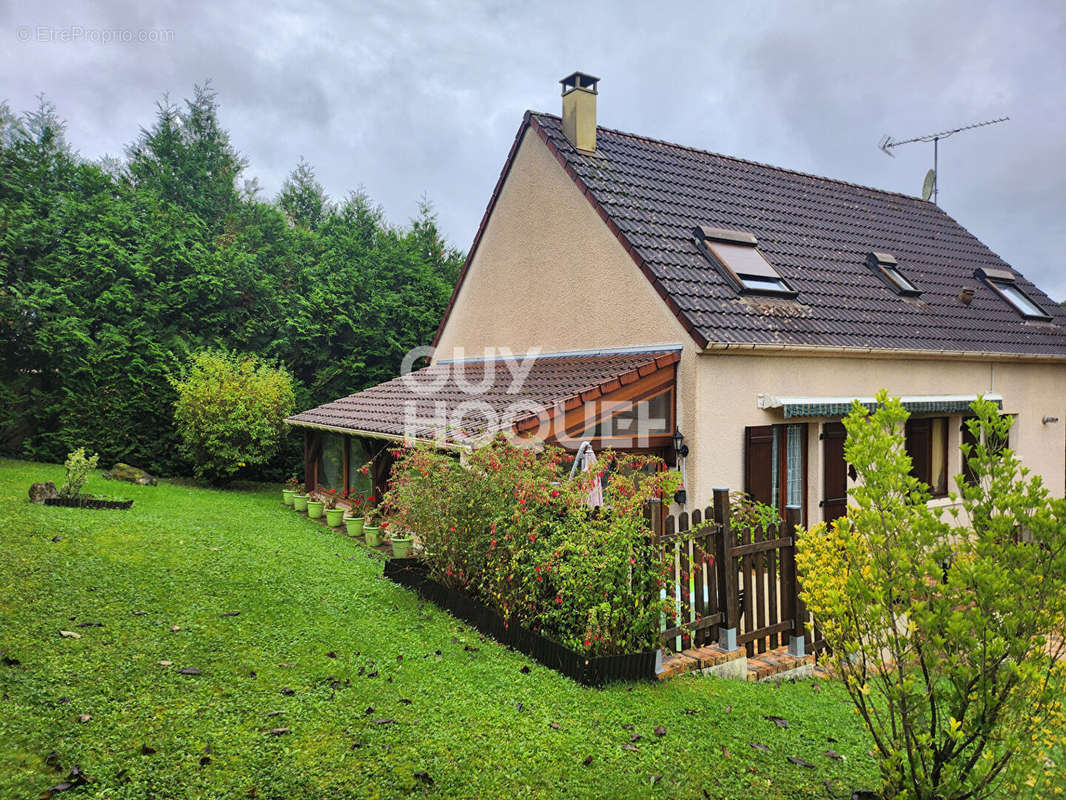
(929, 184)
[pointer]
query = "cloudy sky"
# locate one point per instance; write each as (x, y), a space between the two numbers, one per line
(417, 98)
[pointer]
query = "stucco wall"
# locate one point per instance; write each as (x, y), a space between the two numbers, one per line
(548, 274)
(730, 384)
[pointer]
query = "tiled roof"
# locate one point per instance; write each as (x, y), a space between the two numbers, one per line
(817, 233)
(427, 403)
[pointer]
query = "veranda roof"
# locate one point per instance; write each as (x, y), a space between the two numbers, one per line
(793, 407)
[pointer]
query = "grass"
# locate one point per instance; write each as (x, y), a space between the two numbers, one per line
(469, 720)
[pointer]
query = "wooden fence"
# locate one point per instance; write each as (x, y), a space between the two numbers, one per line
(734, 586)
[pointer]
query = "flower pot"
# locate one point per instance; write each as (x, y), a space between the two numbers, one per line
(372, 534)
(299, 502)
(287, 495)
(334, 516)
(314, 508)
(354, 526)
(402, 546)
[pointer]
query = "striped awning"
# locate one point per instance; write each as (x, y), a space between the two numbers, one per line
(793, 407)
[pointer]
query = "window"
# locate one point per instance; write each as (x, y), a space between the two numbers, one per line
(927, 445)
(1016, 297)
(1002, 283)
(639, 420)
(737, 255)
(885, 267)
(775, 468)
(358, 455)
(330, 472)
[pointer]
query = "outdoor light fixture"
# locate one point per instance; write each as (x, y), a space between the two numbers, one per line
(680, 448)
(681, 496)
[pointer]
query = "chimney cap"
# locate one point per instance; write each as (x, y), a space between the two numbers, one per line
(579, 80)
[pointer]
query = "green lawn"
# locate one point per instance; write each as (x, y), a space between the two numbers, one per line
(410, 691)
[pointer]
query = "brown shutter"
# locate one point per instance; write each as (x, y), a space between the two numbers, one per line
(919, 445)
(835, 471)
(758, 463)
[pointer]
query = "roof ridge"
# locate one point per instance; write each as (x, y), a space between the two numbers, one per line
(752, 162)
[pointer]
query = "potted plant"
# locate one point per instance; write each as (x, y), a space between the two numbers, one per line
(334, 515)
(402, 543)
(290, 490)
(353, 520)
(372, 526)
(315, 507)
(299, 500)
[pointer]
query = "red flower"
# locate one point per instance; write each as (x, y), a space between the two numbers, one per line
(558, 600)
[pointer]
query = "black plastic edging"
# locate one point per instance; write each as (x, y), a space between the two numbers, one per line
(594, 671)
(81, 502)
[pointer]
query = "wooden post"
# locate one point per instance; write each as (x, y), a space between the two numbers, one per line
(727, 573)
(795, 607)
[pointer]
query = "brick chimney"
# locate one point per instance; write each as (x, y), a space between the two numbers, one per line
(579, 110)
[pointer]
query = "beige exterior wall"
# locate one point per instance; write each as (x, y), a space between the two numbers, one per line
(730, 384)
(549, 275)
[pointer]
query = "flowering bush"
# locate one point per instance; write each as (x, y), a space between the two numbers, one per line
(510, 527)
(293, 483)
(357, 503)
(331, 499)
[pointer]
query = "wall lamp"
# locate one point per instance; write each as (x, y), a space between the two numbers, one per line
(680, 448)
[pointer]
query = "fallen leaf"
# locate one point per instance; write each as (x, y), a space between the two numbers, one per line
(631, 748)
(90, 624)
(554, 725)
(525, 670)
(84, 717)
(659, 731)
(655, 779)
(759, 746)
(729, 709)
(778, 721)
(166, 663)
(205, 760)
(175, 628)
(373, 674)
(146, 750)
(275, 713)
(189, 671)
(816, 686)
(57, 539)
(830, 739)
(52, 760)
(385, 721)
(253, 675)
(424, 777)
(356, 745)
(587, 761)
(800, 762)
(725, 753)
(636, 737)
(518, 708)
(369, 710)
(288, 692)
(70, 635)
(64, 699)
(279, 731)
(139, 613)
(470, 649)
(454, 640)
(627, 725)
(9, 661)
(331, 654)
(833, 754)
(230, 614)
(690, 711)
(405, 701)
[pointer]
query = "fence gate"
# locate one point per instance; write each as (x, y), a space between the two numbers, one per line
(734, 586)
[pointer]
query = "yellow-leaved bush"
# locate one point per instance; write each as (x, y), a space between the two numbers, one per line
(946, 623)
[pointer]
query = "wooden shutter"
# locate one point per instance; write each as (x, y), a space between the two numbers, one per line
(919, 447)
(758, 463)
(835, 471)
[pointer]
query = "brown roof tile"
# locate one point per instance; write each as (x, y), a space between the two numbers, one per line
(425, 404)
(816, 232)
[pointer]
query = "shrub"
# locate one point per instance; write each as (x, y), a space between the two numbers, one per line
(229, 412)
(939, 623)
(510, 527)
(78, 468)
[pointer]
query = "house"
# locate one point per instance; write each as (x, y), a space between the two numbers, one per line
(719, 312)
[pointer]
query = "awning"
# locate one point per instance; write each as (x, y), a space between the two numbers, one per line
(793, 407)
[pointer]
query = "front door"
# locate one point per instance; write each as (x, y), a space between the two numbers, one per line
(834, 471)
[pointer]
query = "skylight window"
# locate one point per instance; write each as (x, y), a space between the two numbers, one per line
(1002, 283)
(885, 267)
(737, 254)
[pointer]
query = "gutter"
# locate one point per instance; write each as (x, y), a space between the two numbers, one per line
(389, 437)
(814, 351)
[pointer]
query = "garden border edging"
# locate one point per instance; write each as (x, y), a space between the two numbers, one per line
(588, 671)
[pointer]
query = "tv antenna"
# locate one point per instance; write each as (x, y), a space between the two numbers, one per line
(930, 186)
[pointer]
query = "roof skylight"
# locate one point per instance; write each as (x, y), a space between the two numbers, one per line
(737, 254)
(886, 267)
(1002, 283)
